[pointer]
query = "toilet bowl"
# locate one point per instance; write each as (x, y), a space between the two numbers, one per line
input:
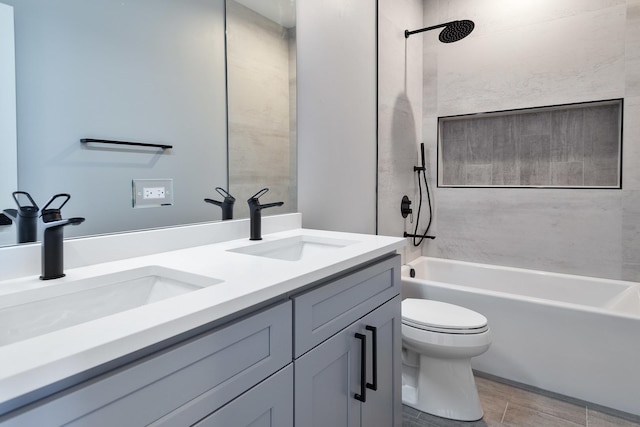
(438, 342)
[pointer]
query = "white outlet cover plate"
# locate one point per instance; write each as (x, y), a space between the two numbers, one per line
(152, 193)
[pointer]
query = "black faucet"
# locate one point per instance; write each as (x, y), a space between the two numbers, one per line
(226, 204)
(254, 213)
(25, 217)
(52, 239)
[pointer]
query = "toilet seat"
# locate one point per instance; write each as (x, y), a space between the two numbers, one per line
(437, 316)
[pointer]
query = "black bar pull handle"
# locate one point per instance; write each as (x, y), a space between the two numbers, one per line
(374, 360)
(363, 368)
(136, 144)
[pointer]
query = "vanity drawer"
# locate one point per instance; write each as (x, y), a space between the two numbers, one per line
(324, 311)
(269, 404)
(220, 365)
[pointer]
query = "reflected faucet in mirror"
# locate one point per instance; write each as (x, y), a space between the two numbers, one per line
(226, 204)
(52, 239)
(25, 217)
(255, 209)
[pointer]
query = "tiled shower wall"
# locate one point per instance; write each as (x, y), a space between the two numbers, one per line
(521, 54)
(566, 146)
(400, 86)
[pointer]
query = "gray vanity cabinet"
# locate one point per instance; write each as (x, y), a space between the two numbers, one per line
(177, 386)
(329, 377)
(298, 362)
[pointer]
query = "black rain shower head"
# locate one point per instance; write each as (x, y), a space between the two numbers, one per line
(452, 31)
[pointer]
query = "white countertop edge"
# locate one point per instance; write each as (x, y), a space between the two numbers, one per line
(32, 364)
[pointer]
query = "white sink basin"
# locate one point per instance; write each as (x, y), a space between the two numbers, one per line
(35, 312)
(294, 248)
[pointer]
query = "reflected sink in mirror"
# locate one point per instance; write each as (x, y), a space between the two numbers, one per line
(294, 248)
(35, 312)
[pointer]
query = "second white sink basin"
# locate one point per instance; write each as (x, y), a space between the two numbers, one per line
(294, 248)
(36, 312)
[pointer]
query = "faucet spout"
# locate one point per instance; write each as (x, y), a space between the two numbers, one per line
(255, 216)
(52, 239)
(271, 205)
(226, 204)
(52, 248)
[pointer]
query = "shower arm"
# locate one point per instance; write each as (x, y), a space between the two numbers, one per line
(407, 33)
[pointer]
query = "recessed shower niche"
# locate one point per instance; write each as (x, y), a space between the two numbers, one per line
(562, 146)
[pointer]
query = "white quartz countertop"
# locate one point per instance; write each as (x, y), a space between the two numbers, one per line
(247, 280)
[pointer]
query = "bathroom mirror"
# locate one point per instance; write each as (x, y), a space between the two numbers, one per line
(140, 71)
(261, 80)
(8, 166)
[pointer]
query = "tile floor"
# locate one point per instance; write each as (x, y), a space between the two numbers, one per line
(506, 405)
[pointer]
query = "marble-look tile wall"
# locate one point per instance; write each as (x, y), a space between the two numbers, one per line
(524, 54)
(261, 87)
(567, 146)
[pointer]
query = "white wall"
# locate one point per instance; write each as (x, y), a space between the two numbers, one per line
(337, 114)
(525, 54)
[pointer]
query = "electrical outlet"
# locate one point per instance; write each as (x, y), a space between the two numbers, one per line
(153, 193)
(149, 193)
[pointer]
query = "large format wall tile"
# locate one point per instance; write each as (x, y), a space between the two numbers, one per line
(544, 61)
(570, 231)
(632, 48)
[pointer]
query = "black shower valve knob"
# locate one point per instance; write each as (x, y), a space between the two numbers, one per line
(405, 206)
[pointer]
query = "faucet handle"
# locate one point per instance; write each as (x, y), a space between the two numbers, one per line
(259, 194)
(53, 214)
(224, 193)
(30, 210)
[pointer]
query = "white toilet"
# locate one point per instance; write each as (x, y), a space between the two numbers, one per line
(438, 342)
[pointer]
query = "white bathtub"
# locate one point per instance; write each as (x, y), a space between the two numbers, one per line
(577, 336)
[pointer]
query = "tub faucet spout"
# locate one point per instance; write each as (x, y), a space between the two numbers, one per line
(255, 209)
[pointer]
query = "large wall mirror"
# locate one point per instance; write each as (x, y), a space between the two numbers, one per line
(261, 78)
(153, 72)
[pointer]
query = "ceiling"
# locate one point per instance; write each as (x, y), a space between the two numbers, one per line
(282, 12)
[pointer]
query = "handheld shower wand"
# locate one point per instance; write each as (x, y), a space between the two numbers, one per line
(419, 238)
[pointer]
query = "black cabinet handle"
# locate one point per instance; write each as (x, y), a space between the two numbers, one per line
(363, 368)
(374, 346)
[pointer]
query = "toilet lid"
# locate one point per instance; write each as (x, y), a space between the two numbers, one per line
(441, 316)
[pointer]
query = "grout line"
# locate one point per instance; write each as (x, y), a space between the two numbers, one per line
(586, 416)
(504, 413)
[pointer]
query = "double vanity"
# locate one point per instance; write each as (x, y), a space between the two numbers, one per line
(198, 325)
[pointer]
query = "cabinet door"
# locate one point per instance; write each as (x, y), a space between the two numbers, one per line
(328, 377)
(269, 404)
(383, 407)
